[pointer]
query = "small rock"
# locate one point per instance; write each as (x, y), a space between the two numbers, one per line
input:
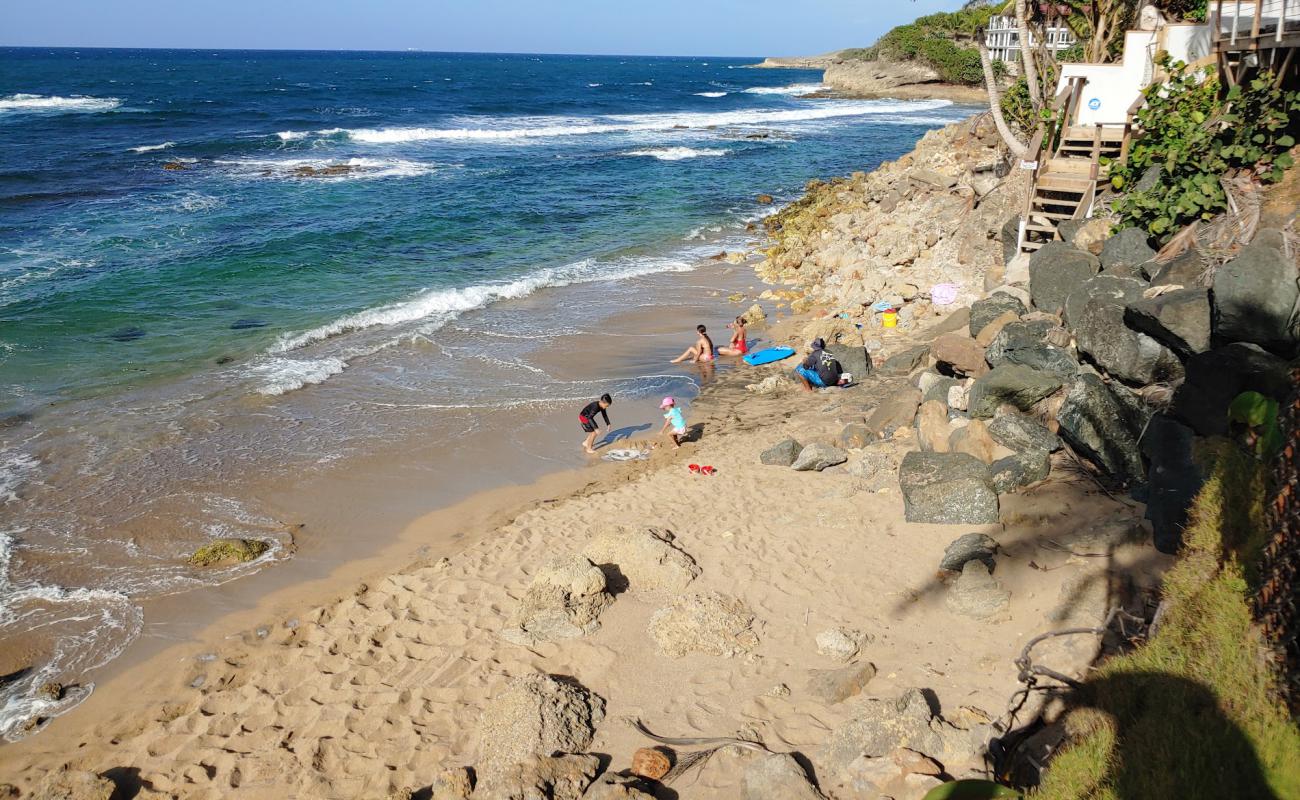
(973, 439)
(781, 454)
(970, 547)
(856, 436)
(755, 314)
(772, 384)
(976, 593)
(712, 624)
(764, 199)
(564, 601)
(1090, 235)
(224, 552)
(817, 456)
(837, 685)
(837, 643)
(1019, 432)
(452, 784)
(50, 691)
(995, 306)
(612, 786)
(905, 362)
(947, 489)
(933, 427)
(778, 775)
(648, 558)
(648, 762)
(995, 327)
(897, 410)
(560, 777)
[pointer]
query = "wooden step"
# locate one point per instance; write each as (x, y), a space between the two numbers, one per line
(1086, 132)
(1063, 184)
(1048, 229)
(1050, 215)
(1069, 166)
(1028, 245)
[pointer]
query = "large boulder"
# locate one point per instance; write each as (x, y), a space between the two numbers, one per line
(536, 715)
(778, 775)
(781, 454)
(817, 457)
(1055, 270)
(1173, 479)
(905, 362)
(552, 777)
(712, 624)
(1019, 386)
(984, 311)
(1180, 320)
(961, 354)
(1096, 424)
(897, 410)
(564, 601)
(647, 558)
(1185, 270)
(1215, 378)
(1019, 433)
(1029, 345)
(947, 489)
(1019, 469)
(1107, 288)
(1128, 248)
(1254, 297)
(976, 593)
(853, 359)
(1122, 352)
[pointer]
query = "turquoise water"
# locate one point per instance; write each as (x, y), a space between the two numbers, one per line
(218, 269)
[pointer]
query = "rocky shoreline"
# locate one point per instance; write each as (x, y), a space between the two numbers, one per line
(840, 612)
(854, 78)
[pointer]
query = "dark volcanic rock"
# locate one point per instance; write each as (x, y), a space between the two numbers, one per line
(1009, 383)
(128, 334)
(970, 547)
(1097, 426)
(1216, 377)
(1180, 320)
(1123, 352)
(1184, 270)
(853, 360)
(1254, 295)
(984, 311)
(1128, 248)
(1026, 344)
(947, 489)
(1020, 433)
(1055, 270)
(1174, 479)
(903, 363)
(1106, 288)
(1020, 469)
(247, 324)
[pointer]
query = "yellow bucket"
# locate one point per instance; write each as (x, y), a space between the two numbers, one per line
(889, 319)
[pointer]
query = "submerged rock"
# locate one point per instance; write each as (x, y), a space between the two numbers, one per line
(712, 624)
(537, 715)
(224, 552)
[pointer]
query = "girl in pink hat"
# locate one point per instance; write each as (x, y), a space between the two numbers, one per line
(673, 420)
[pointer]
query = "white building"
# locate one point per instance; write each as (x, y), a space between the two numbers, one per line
(1003, 40)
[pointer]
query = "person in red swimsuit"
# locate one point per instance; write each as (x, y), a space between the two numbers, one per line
(738, 345)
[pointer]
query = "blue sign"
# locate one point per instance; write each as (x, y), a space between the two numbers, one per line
(1094, 103)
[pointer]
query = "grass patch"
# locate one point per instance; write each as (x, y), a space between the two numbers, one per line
(1193, 712)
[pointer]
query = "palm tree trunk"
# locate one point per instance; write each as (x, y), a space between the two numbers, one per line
(1018, 148)
(1027, 55)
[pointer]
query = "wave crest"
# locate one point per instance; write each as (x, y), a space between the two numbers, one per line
(37, 103)
(676, 153)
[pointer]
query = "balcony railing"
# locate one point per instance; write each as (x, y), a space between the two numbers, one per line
(1238, 25)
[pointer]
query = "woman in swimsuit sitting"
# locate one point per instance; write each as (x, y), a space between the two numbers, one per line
(738, 345)
(699, 352)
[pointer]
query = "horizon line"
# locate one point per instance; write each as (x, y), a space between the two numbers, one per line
(376, 50)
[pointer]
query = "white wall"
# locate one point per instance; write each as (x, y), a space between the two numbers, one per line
(1112, 88)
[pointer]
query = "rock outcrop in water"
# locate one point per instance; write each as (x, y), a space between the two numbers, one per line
(224, 552)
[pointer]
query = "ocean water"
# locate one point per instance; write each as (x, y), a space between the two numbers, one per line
(217, 265)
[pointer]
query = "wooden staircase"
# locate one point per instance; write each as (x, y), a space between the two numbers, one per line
(1068, 162)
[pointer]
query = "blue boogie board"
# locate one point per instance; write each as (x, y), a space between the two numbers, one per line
(768, 356)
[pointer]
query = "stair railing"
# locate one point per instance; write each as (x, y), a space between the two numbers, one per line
(1046, 142)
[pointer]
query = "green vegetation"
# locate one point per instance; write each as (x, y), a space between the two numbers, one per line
(1186, 10)
(935, 40)
(1193, 712)
(228, 551)
(1191, 137)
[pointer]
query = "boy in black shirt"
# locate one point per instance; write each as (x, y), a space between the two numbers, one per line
(587, 418)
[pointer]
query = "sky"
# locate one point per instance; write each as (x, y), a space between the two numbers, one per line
(657, 27)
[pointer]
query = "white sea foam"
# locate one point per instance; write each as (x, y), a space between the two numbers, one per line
(505, 129)
(279, 376)
(797, 90)
(711, 94)
(676, 153)
(15, 469)
(36, 103)
(149, 148)
(351, 168)
(443, 305)
(295, 136)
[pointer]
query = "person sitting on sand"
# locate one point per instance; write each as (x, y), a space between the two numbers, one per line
(674, 422)
(699, 352)
(820, 369)
(587, 418)
(738, 345)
